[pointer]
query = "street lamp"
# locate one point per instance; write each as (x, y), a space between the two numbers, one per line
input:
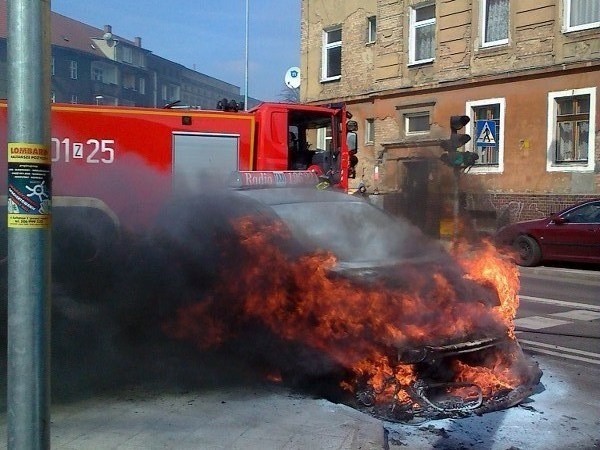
(98, 99)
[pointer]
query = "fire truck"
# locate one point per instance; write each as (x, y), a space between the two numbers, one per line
(124, 162)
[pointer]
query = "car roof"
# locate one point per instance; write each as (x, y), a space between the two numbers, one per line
(578, 204)
(287, 195)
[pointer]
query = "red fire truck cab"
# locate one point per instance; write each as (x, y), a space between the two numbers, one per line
(125, 161)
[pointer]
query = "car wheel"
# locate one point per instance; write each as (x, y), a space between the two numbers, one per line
(528, 251)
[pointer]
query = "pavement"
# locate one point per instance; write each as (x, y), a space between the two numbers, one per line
(563, 413)
(262, 418)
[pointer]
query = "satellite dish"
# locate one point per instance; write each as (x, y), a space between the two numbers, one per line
(292, 78)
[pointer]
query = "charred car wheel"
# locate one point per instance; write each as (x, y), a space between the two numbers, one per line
(529, 252)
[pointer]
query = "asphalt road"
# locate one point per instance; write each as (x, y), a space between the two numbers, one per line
(559, 313)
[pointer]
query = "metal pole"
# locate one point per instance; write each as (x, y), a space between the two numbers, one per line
(456, 208)
(29, 233)
(246, 60)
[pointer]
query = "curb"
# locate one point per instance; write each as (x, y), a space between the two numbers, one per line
(555, 272)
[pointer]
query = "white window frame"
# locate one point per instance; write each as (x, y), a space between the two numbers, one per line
(566, 28)
(551, 166)
(369, 131)
(73, 69)
(74, 99)
(371, 29)
(325, 54)
(484, 24)
(324, 138)
(412, 30)
(471, 147)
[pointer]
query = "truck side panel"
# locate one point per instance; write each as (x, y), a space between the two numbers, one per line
(123, 157)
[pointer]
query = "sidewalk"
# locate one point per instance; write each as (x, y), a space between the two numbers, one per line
(260, 418)
(562, 414)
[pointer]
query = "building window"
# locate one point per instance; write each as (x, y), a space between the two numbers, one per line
(53, 97)
(138, 59)
(369, 131)
(571, 130)
(74, 99)
(97, 74)
(52, 66)
(332, 55)
(173, 92)
(495, 20)
(487, 134)
(142, 85)
(371, 29)
(581, 14)
(128, 81)
(127, 54)
(73, 69)
(422, 34)
(416, 123)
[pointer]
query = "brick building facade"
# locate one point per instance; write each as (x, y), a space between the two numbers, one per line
(526, 71)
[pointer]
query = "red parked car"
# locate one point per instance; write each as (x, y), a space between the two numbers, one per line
(571, 235)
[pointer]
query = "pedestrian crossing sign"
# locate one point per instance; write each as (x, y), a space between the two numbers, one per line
(486, 133)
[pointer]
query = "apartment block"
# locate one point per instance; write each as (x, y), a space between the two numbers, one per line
(526, 73)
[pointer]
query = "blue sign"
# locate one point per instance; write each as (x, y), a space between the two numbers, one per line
(485, 133)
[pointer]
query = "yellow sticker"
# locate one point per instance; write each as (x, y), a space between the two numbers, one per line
(29, 220)
(21, 152)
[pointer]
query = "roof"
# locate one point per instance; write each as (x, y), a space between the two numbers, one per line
(65, 32)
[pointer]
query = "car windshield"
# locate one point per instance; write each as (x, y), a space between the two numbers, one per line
(354, 230)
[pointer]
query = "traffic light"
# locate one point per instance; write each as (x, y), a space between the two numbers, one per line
(459, 159)
(469, 159)
(452, 157)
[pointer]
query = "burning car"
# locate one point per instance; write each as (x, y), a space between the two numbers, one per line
(401, 326)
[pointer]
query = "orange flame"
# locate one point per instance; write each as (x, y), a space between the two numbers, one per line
(356, 324)
(487, 266)
(498, 373)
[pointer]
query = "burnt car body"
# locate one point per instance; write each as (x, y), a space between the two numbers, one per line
(374, 252)
(570, 235)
